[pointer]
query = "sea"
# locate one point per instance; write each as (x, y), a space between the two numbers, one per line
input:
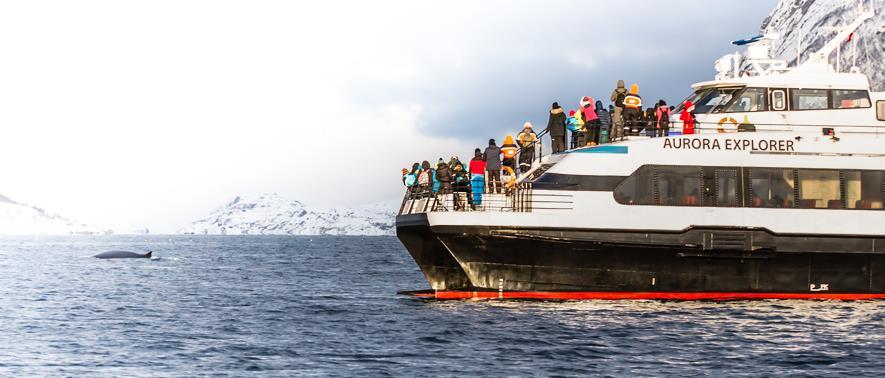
(328, 306)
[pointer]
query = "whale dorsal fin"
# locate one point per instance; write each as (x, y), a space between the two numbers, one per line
(148, 254)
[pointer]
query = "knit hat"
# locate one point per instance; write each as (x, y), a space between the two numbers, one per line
(555, 105)
(571, 113)
(527, 125)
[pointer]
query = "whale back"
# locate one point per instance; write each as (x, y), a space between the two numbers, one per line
(122, 255)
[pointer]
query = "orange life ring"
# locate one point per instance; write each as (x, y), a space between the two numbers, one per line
(726, 119)
(509, 171)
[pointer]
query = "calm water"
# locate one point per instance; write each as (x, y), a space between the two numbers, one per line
(327, 306)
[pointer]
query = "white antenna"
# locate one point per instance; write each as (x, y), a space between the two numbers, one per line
(799, 42)
(820, 56)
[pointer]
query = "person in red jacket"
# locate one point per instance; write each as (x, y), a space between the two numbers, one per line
(477, 177)
(591, 121)
(687, 118)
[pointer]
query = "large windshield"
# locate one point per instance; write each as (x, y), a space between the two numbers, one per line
(692, 97)
(714, 98)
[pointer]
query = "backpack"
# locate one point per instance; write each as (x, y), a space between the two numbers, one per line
(665, 119)
(619, 100)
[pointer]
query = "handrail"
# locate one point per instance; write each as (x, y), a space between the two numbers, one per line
(517, 199)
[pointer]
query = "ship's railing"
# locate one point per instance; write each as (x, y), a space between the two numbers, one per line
(519, 198)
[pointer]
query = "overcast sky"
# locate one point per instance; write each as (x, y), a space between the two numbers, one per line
(150, 114)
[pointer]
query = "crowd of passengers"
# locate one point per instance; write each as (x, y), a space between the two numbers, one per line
(590, 125)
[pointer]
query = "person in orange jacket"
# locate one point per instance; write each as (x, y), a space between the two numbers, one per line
(508, 149)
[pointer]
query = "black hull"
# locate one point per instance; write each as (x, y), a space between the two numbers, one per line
(439, 267)
(501, 262)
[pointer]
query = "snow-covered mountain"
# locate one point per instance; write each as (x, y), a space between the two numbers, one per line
(817, 20)
(23, 219)
(271, 214)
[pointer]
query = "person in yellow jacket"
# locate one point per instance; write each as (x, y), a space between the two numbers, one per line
(527, 140)
(508, 149)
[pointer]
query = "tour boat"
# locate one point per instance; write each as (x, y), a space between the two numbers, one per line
(779, 196)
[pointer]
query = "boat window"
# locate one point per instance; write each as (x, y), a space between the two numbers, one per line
(850, 99)
(726, 188)
(863, 189)
(771, 187)
(679, 186)
(809, 99)
(819, 189)
(778, 99)
(749, 100)
(880, 110)
(636, 189)
(693, 98)
(714, 98)
(559, 181)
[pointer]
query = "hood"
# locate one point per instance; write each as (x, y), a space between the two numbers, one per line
(556, 111)
(571, 113)
(620, 84)
(508, 140)
(527, 125)
(599, 105)
(634, 89)
(584, 100)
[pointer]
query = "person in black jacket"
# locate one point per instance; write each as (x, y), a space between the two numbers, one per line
(556, 126)
(650, 122)
(460, 186)
(492, 157)
(444, 176)
(605, 122)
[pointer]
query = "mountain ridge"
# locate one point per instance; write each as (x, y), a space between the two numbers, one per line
(816, 21)
(23, 219)
(271, 214)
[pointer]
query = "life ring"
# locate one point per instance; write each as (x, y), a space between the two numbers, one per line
(726, 119)
(509, 171)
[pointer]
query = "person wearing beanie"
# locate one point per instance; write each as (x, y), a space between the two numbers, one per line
(591, 121)
(617, 99)
(526, 140)
(556, 125)
(605, 122)
(650, 122)
(573, 127)
(508, 150)
(687, 118)
(477, 178)
(633, 109)
(492, 156)
(662, 118)
(444, 178)
(460, 185)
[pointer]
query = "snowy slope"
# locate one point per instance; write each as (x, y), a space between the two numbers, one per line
(271, 214)
(816, 20)
(22, 219)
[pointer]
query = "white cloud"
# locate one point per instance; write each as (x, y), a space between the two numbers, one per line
(151, 114)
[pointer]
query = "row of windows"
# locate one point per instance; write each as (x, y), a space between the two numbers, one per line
(737, 99)
(752, 187)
